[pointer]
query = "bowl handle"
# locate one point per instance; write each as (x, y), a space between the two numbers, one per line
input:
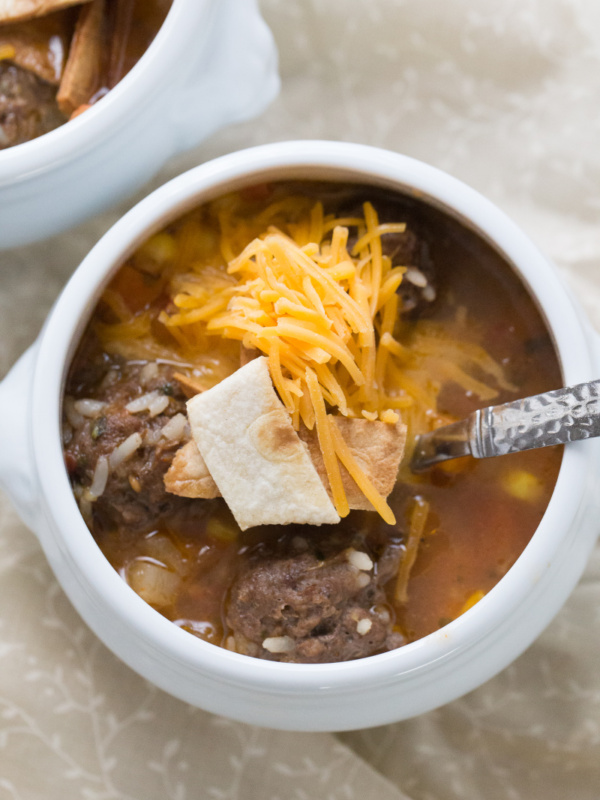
(235, 77)
(17, 475)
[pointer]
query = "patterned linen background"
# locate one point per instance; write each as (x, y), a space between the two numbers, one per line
(506, 96)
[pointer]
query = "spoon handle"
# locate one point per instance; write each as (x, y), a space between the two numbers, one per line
(557, 417)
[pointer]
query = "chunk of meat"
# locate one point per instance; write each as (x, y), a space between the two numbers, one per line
(408, 249)
(27, 106)
(313, 601)
(418, 287)
(135, 490)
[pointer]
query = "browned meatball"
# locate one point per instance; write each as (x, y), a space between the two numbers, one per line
(135, 491)
(311, 601)
(27, 106)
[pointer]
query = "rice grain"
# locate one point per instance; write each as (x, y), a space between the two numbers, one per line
(125, 450)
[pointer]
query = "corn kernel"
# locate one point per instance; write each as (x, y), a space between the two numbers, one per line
(523, 485)
(472, 600)
(455, 465)
(223, 531)
(159, 249)
(7, 51)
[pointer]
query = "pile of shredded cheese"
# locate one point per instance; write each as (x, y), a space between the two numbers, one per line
(324, 315)
(324, 312)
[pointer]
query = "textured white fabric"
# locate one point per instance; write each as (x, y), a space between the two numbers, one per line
(506, 96)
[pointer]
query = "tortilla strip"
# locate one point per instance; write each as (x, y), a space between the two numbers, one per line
(40, 45)
(122, 22)
(190, 385)
(188, 475)
(255, 456)
(133, 26)
(18, 10)
(377, 446)
(82, 73)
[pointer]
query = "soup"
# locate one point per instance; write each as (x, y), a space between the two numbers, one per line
(194, 321)
(56, 62)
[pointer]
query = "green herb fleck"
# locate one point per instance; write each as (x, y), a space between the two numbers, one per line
(99, 427)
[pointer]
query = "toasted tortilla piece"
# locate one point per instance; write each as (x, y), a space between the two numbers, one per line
(133, 26)
(40, 45)
(82, 75)
(378, 448)
(188, 475)
(190, 385)
(255, 456)
(17, 10)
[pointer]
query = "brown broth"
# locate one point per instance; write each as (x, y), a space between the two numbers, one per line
(477, 526)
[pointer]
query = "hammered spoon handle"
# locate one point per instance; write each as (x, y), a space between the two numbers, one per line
(557, 417)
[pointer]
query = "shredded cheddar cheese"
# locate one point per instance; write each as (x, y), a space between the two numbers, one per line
(318, 296)
(312, 308)
(325, 433)
(305, 304)
(418, 519)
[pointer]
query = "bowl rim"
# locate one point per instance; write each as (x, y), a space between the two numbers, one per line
(348, 161)
(107, 116)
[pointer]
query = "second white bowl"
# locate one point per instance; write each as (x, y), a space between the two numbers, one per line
(211, 64)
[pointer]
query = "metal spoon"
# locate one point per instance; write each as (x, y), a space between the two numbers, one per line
(557, 417)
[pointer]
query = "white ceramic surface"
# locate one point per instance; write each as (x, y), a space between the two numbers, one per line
(363, 693)
(212, 63)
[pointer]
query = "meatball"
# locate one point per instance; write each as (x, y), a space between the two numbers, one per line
(135, 491)
(27, 106)
(313, 601)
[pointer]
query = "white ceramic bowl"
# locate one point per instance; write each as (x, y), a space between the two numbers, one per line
(362, 693)
(212, 63)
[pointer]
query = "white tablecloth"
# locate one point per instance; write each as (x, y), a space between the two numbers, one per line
(506, 96)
